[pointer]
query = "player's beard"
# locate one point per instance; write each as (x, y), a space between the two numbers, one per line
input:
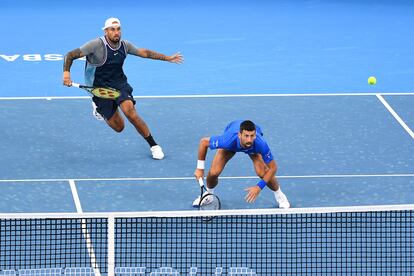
(115, 39)
(246, 145)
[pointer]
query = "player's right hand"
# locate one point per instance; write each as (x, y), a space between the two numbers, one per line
(199, 173)
(66, 79)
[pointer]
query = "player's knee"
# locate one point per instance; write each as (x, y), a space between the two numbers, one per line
(130, 113)
(118, 128)
(261, 171)
(213, 173)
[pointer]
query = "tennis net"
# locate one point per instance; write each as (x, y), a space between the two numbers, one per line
(308, 241)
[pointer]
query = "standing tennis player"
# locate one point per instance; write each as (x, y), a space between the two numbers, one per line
(247, 137)
(104, 61)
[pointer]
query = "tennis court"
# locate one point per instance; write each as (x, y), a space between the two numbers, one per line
(299, 69)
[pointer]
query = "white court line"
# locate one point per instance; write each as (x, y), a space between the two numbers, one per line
(85, 231)
(396, 116)
(192, 178)
(44, 98)
(214, 96)
(75, 196)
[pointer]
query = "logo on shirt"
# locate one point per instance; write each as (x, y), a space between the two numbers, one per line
(268, 155)
(215, 144)
(115, 53)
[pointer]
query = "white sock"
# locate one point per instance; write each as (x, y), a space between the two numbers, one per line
(278, 193)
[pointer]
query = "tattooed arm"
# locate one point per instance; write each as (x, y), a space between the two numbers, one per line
(67, 63)
(144, 53)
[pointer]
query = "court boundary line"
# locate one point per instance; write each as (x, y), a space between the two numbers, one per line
(217, 96)
(395, 115)
(75, 195)
(192, 177)
(85, 231)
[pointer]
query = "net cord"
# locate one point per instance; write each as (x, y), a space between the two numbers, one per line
(197, 213)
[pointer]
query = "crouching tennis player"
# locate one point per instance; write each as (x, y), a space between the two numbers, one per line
(247, 137)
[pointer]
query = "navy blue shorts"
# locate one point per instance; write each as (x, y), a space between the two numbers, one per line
(107, 108)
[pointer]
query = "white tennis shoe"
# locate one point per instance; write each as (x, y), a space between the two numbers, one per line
(156, 152)
(95, 113)
(207, 200)
(283, 201)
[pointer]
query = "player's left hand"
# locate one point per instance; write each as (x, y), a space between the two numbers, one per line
(252, 193)
(176, 58)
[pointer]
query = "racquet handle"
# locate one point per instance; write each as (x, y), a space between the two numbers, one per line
(201, 182)
(75, 84)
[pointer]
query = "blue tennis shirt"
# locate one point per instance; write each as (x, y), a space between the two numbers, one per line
(230, 141)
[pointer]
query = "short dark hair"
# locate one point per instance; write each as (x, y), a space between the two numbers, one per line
(247, 125)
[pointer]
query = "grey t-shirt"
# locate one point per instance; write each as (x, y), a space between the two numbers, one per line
(95, 50)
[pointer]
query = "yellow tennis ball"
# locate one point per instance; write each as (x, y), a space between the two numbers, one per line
(372, 80)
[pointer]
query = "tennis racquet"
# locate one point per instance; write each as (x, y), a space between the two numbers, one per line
(100, 92)
(208, 201)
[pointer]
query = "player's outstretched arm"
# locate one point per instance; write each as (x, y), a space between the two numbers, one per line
(202, 153)
(175, 58)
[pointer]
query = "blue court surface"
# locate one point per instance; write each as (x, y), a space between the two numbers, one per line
(298, 68)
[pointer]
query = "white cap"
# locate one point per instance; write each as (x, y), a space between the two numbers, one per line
(112, 22)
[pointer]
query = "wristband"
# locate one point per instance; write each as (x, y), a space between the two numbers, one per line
(200, 164)
(262, 184)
